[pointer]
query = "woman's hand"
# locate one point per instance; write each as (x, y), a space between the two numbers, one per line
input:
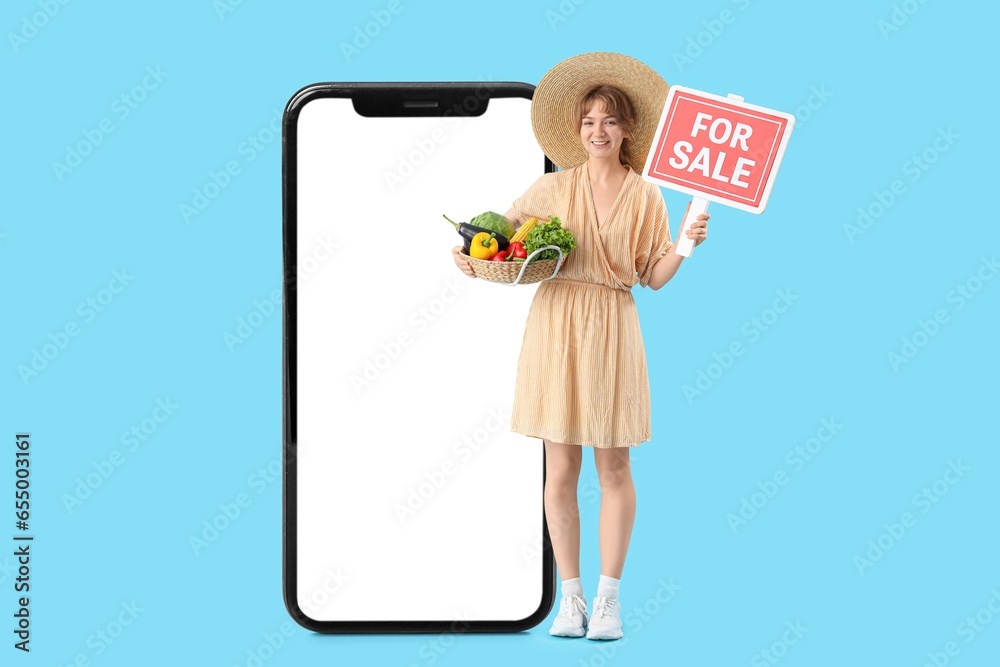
(462, 262)
(699, 228)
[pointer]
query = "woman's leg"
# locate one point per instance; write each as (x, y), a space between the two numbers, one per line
(562, 514)
(617, 507)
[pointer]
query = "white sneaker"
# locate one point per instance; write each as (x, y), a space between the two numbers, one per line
(606, 621)
(572, 618)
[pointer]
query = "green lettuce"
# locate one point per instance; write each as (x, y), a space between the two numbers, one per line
(549, 233)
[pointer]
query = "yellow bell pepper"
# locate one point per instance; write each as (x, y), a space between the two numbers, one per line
(483, 245)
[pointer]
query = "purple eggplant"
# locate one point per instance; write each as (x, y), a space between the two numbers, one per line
(468, 232)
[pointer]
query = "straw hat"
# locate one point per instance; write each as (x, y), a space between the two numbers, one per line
(552, 105)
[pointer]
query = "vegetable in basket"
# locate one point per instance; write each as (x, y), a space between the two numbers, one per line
(494, 222)
(517, 251)
(549, 233)
(513, 254)
(467, 231)
(484, 245)
(522, 231)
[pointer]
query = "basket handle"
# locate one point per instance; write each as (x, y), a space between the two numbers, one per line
(528, 259)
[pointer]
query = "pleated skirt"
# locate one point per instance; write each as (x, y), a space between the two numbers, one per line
(581, 375)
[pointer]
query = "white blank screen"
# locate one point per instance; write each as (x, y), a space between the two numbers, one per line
(413, 496)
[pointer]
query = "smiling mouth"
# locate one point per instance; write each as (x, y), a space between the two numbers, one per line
(600, 143)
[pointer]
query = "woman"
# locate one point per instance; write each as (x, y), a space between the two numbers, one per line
(582, 377)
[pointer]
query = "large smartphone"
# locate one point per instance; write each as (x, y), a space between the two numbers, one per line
(408, 504)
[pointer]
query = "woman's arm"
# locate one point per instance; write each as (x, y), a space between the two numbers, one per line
(512, 216)
(665, 268)
(667, 265)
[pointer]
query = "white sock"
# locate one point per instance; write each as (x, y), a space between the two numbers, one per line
(608, 587)
(572, 587)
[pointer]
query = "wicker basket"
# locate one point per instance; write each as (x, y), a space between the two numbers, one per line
(518, 273)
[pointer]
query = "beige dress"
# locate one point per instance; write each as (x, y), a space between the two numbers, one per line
(581, 375)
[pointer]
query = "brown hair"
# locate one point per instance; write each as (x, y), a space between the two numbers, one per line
(616, 103)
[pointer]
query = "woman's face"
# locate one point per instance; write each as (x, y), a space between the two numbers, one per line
(601, 134)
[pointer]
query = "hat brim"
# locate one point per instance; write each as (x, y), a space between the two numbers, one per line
(553, 104)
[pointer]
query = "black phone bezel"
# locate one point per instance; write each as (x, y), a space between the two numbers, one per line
(386, 99)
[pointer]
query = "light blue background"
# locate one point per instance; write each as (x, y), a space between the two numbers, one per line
(162, 336)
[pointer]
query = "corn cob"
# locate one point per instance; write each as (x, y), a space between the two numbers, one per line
(522, 231)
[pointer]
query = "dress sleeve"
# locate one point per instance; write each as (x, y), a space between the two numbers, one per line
(537, 201)
(654, 237)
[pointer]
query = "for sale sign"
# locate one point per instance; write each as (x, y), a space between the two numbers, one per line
(717, 148)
